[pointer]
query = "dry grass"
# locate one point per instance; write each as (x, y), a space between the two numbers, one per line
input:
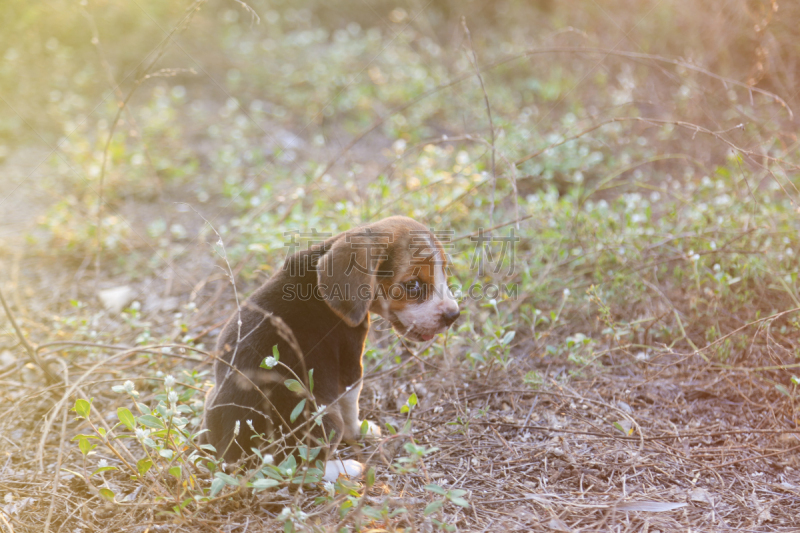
(600, 453)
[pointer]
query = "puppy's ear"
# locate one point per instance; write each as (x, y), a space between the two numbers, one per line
(347, 272)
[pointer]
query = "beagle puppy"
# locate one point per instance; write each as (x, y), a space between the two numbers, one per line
(315, 310)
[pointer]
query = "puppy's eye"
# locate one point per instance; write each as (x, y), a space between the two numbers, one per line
(413, 289)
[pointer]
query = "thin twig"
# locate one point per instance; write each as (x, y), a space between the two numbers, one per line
(60, 453)
(51, 378)
(488, 113)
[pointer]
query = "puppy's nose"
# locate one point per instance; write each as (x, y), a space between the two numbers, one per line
(450, 316)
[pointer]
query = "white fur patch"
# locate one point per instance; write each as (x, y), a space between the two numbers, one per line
(348, 407)
(424, 318)
(347, 467)
(373, 430)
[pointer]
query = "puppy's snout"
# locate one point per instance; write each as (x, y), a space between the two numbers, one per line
(450, 316)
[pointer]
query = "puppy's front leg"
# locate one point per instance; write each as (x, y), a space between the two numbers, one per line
(349, 409)
(334, 467)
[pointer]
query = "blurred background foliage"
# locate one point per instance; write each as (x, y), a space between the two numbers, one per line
(639, 140)
(53, 52)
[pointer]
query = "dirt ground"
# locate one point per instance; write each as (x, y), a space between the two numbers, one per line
(667, 443)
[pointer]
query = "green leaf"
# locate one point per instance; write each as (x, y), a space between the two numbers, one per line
(126, 417)
(144, 465)
(508, 337)
(272, 471)
(294, 385)
(229, 480)
(410, 403)
(83, 407)
(107, 494)
(345, 507)
(166, 454)
(459, 501)
(290, 463)
(370, 477)
(435, 489)
(83, 436)
(619, 426)
(306, 455)
(297, 410)
(371, 512)
(311, 380)
(309, 477)
(432, 507)
(151, 421)
(275, 353)
(208, 448)
(175, 472)
(216, 486)
(262, 484)
(783, 390)
(85, 446)
(390, 428)
(364, 427)
(183, 504)
(103, 469)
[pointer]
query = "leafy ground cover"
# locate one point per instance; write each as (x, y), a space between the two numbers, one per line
(617, 189)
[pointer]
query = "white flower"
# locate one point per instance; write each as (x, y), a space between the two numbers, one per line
(269, 362)
(268, 459)
(129, 386)
(328, 486)
(566, 293)
(236, 428)
(285, 514)
(318, 414)
(169, 381)
(142, 433)
(172, 397)
(102, 463)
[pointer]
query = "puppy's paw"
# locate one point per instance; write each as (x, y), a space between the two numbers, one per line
(347, 467)
(373, 430)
